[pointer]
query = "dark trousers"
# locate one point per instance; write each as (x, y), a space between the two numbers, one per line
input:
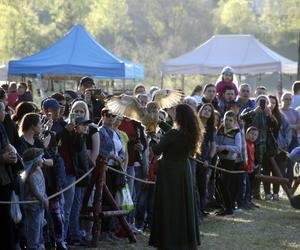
(267, 170)
(202, 184)
(227, 183)
(7, 227)
(143, 210)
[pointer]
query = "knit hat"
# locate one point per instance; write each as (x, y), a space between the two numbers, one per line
(227, 70)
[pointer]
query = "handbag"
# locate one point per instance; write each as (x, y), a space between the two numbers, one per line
(123, 199)
(15, 211)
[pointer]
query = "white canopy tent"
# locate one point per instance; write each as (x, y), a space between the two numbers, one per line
(244, 53)
(3, 73)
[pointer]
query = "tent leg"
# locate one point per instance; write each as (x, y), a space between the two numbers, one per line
(182, 83)
(280, 88)
(123, 82)
(40, 86)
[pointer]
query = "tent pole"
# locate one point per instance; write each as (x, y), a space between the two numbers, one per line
(162, 81)
(40, 86)
(182, 83)
(280, 88)
(123, 81)
(298, 68)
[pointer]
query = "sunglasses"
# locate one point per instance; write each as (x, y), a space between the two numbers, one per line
(108, 115)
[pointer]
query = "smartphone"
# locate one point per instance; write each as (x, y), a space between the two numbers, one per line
(72, 118)
(262, 104)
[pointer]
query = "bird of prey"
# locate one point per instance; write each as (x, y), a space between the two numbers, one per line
(129, 106)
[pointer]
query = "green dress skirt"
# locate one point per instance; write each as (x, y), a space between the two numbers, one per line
(175, 222)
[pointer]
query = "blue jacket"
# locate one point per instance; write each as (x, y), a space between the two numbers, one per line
(107, 144)
(231, 140)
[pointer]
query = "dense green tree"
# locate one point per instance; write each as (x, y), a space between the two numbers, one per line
(148, 32)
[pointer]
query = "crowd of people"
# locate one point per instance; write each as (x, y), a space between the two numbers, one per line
(45, 149)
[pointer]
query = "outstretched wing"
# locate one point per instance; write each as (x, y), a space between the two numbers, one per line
(126, 105)
(167, 98)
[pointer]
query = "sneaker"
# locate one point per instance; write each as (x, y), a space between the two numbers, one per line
(254, 205)
(275, 197)
(135, 230)
(105, 237)
(225, 212)
(61, 246)
(113, 236)
(268, 197)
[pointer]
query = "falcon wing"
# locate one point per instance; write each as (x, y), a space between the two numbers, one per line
(126, 105)
(167, 98)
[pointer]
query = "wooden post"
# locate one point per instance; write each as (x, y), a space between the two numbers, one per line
(276, 171)
(272, 179)
(98, 180)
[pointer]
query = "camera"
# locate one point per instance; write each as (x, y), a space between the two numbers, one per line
(262, 104)
(96, 94)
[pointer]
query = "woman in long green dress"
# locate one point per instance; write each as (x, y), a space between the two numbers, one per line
(175, 222)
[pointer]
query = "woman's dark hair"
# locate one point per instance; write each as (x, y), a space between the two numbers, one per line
(208, 86)
(276, 111)
(210, 123)
(217, 113)
(24, 84)
(188, 124)
(198, 88)
(29, 120)
(24, 108)
(71, 93)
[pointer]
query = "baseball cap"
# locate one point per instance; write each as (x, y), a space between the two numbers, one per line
(51, 103)
(86, 81)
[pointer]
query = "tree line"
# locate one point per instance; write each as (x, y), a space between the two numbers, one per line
(147, 32)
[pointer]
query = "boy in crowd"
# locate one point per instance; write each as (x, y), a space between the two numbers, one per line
(228, 101)
(229, 145)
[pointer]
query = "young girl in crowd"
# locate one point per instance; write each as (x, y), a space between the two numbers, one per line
(229, 145)
(248, 177)
(34, 190)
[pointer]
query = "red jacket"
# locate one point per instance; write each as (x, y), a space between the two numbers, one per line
(251, 158)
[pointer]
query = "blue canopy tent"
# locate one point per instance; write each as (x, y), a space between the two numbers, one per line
(77, 53)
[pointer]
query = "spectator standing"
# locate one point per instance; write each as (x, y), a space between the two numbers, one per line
(24, 95)
(296, 94)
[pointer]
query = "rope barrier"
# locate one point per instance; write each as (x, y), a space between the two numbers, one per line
(221, 169)
(130, 176)
(117, 171)
(54, 195)
(152, 182)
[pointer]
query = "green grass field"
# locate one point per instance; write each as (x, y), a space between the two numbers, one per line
(275, 225)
